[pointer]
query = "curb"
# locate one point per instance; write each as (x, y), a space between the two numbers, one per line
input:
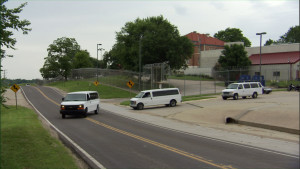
(229, 120)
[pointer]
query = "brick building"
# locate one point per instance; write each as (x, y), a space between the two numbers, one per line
(202, 42)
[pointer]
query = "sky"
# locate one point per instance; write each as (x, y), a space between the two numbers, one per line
(93, 22)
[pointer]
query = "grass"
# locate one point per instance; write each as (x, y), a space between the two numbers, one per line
(26, 144)
(191, 77)
(105, 92)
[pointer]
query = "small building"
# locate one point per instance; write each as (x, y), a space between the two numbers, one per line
(276, 66)
(202, 42)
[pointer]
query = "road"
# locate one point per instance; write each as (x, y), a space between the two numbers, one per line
(112, 141)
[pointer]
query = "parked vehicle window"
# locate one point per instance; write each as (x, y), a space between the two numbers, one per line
(232, 86)
(254, 85)
(246, 86)
(240, 86)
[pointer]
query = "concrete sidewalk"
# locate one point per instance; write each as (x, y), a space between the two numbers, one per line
(278, 110)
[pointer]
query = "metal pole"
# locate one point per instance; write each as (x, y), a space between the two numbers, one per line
(16, 100)
(260, 56)
(260, 34)
(140, 60)
(97, 60)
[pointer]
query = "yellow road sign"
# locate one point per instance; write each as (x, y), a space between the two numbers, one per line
(130, 84)
(15, 88)
(96, 83)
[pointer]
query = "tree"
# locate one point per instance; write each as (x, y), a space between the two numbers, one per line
(11, 21)
(292, 35)
(234, 56)
(232, 35)
(160, 42)
(82, 60)
(59, 59)
(269, 42)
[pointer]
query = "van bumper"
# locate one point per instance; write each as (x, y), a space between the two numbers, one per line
(72, 112)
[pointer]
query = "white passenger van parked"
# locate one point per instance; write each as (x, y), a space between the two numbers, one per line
(80, 103)
(169, 97)
(245, 89)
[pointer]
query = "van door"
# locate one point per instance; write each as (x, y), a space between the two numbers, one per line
(241, 90)
(147, 99)
(247, 90)
(89, 103)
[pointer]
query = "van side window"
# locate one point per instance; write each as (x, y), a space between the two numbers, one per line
(88, 97)
(165, 93)
(240, 86)
(246, 86)
(146, 95)
(254, 85)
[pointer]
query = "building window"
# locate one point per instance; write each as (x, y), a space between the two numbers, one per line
(276, 74)
(257, 73)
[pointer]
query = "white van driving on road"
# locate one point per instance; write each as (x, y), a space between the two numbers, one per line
(245, 89)
(80, 103)
(169, 97)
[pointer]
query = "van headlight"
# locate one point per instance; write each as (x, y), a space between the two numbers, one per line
(62, 107)
(80, 107)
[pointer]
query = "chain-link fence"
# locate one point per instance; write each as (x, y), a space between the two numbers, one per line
(202, 81)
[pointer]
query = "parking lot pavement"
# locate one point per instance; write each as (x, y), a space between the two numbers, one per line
(276, 109)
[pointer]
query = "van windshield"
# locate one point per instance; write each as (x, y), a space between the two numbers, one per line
(140, 95)
(75, 97)
(232, 86)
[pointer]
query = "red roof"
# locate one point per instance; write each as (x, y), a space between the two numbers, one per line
(275, 58)
(204, 39)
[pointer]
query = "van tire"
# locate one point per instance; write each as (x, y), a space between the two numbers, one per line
(254, 95)
(97, 110)
(235, 96)
(140, 106)
(172, 103)
(63, 116)
(224, 98)
(85, 112)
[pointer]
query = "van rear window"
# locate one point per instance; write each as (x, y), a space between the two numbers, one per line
(164, 93)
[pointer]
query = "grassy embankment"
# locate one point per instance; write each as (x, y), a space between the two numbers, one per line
(26, 144)
(108, 92)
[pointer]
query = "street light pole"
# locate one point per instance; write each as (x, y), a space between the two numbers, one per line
(260, 34)
(140, 60)
(97, 60)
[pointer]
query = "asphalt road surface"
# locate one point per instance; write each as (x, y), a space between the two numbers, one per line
(112, 141)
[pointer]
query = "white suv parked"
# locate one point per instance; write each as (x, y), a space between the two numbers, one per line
(80, 103)
(245, 89)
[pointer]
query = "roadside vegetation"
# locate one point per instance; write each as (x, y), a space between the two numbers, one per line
(26, 144)
(105, 92)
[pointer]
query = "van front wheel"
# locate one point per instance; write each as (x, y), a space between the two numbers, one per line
(140, 106)
(172, 103)
(235, 96)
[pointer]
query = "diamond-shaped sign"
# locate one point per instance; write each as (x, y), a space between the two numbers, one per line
(96, 83)
(15, 88)
(130, 84)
